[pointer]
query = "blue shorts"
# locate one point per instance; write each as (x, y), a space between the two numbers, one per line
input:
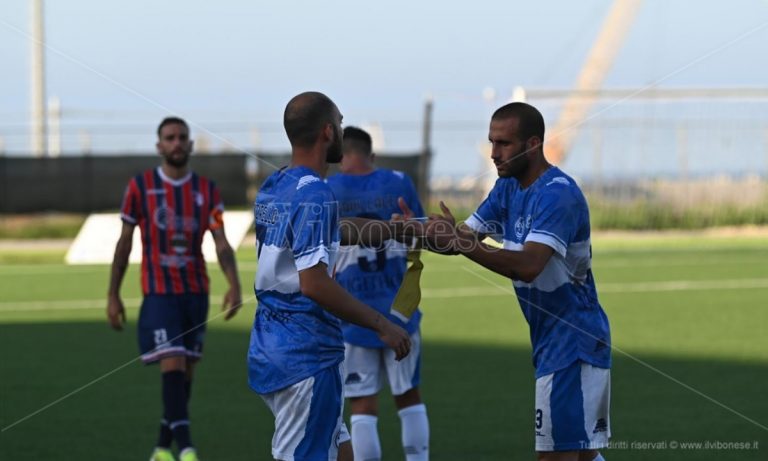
(309, 423)
(572, 409)
(172, 325)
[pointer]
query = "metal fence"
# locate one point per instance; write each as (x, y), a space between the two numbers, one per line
(96, 183)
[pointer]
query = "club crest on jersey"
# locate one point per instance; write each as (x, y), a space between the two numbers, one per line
(522, 225)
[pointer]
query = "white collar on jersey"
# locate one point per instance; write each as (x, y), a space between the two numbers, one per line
(173, 182)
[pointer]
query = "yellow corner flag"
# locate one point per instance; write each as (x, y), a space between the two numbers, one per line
(409, 294)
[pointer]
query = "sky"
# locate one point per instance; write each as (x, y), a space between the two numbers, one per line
(230, 67)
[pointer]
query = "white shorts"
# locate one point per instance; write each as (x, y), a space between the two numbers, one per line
(367, 367)
(308, 418)
(572, 409)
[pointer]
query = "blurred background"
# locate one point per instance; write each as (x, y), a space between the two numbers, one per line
(658, 108)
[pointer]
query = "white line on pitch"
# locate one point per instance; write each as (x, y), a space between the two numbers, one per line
(434, 293)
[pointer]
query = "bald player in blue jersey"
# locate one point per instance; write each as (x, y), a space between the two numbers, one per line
(374, 275)
(296, 352)
(541, 217)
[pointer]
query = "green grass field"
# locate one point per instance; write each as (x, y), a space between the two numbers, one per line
(689, 319)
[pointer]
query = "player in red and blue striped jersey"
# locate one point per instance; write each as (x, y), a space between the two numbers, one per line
(173, 208)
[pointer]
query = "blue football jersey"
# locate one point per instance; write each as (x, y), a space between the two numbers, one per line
(293, 337)
(566, 320)
(373, 275)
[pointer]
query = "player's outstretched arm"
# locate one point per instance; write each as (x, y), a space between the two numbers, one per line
(115, 307)
(524, 265)
(232, 299)
(373, 232)
(317, 285)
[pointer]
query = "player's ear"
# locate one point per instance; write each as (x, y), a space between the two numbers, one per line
(191, 145)
(157, 147)
(534, 143)
(373, 157)
(328, 132)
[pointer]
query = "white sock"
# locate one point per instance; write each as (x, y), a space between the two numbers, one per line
(365, 438)
(599, 457)
(415, 431)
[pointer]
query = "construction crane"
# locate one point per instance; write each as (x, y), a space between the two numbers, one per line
(599, 61)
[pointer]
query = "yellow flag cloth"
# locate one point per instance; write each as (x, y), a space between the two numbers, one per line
(409, 294)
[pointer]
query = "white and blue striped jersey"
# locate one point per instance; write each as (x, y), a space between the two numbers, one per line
(374, 275)
(566, 320)
(293, 337)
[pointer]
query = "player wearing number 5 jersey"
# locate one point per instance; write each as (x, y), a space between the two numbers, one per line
(375, 275)
(173, 208)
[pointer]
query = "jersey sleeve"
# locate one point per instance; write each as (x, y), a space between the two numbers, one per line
(130, 211)
(555, 220)
(314, 223)
(216, 215)
(488, 219)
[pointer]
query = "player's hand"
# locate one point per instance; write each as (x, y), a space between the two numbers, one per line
(441, 231)
(395, 338)
(232, 302)
(115, 312)
(446, 216)
(406, 223)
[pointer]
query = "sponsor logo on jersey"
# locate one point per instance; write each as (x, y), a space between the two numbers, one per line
(265, 214)
(164, 217)
(179, 243)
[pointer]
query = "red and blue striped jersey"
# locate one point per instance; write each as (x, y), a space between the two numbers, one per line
(173, 216)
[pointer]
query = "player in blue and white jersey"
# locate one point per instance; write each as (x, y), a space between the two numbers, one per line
(542, 218)
(375, 275)
(296, 350)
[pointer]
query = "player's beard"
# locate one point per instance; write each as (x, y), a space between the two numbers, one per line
(177, 161)
(334, 152)
(515, 166)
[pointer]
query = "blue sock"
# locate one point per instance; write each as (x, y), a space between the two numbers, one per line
(175, 403)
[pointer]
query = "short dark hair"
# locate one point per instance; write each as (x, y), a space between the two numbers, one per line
(531, 121)
(305, 116)
(357, 140)
(171, 121)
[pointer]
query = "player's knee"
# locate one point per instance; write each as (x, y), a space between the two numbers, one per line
(367, 405)
(176, 363)
(407, 399)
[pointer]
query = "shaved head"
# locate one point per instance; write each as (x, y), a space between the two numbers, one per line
(306, 115)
